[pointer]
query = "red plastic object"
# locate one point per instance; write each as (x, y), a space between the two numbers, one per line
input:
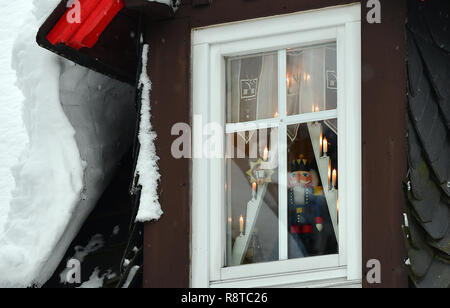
(94, 17)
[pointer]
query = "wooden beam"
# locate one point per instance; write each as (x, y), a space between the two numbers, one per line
(197, 3)
(384, 154)
(153, 10)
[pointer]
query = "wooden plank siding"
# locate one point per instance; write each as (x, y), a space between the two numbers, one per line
(383, 142)
(167, 241)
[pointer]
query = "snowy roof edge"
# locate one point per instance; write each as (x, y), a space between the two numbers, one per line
(106, 56)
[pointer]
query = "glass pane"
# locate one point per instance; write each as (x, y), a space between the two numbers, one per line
(312, 189)
(252, 87)
(252, 197)
(311, 79)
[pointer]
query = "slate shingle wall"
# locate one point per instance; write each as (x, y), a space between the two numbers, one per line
(428, 187)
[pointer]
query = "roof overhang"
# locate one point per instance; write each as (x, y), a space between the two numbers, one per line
(104, 37)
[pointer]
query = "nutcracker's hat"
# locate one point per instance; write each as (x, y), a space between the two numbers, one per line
(300, 164)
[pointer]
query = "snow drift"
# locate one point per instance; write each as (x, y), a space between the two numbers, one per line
(80, 124)
(13, 137)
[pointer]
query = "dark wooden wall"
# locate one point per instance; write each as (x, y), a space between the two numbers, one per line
(167, 242)
(383, 141)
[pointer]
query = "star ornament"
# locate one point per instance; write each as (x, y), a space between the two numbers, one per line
(259, 175)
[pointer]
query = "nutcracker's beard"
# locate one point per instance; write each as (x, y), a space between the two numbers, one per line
(306, 184)
(301, 184)
(302, 180)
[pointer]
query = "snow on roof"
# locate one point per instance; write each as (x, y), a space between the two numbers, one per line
(172, 3)
(71, 116)
(39, 212)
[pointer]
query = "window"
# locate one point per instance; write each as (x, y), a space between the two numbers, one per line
(279, 204)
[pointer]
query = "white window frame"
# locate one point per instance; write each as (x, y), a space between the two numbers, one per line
(210, 46)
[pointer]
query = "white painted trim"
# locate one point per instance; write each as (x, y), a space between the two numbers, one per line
(289, 40)
(282, 159)
(253, 125)
(216, 188)
(342, 150)
(200, 209)
(278, 25)
(353, 137)
(210, 46)
(279, 267)
(311, 117)
(314, 278)
(288, 120)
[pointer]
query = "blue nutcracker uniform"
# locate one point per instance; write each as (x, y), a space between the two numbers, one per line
(307, 214)
(302, 218)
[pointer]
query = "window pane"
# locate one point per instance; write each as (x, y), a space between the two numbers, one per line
(252, 197)
(312, 189)
(252, 88)
(311, 79)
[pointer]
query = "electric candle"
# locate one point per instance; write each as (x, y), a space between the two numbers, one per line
(337, 207)
(317, 109)
(320, 144)
(329, 173)
(241, 224)
(266, 154)
(334, 178)
(325, 146)
(276, 114)
(254, 187)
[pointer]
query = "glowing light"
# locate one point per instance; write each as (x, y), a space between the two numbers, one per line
(329, 172)
(241, 224)
(266, 154)
(334, 178)
(320, 143)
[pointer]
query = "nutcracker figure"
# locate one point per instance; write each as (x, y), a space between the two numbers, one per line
(305, 206)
